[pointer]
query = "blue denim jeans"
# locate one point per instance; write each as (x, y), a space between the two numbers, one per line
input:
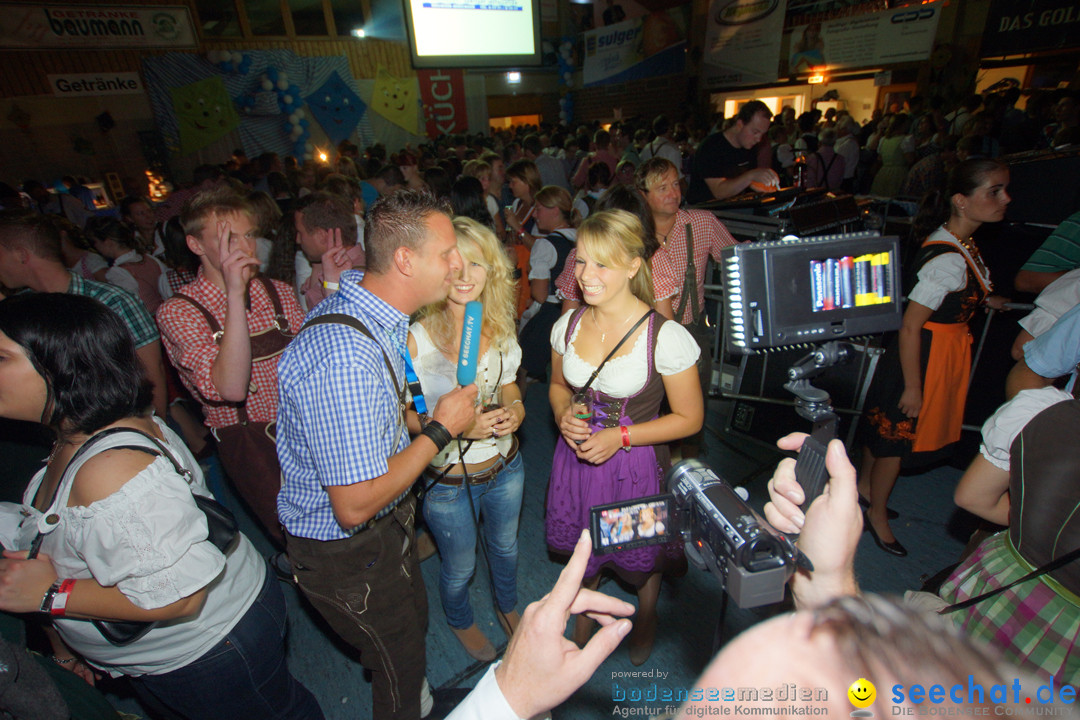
(243, 676)
(447, 512)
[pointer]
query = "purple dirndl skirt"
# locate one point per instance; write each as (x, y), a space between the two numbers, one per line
(576, 486)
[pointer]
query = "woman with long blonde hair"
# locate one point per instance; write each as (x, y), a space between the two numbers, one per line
(608, 349)
(486, 460)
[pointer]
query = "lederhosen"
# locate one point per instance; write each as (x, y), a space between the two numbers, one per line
(247, 450)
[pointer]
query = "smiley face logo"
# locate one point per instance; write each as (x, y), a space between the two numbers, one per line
(862, 693)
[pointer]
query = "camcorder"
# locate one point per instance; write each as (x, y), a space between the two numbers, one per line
(778, 294)
(720, 533)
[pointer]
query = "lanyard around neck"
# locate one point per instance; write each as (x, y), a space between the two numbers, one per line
(411, 378)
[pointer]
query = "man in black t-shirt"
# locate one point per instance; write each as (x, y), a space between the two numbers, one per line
(726, 163)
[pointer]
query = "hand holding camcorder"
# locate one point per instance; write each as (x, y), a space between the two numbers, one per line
(720, 532)
(828, 530)
(750, 555)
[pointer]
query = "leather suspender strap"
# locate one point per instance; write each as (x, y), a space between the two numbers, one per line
(689, 282)
(343, 319)
(275, 300)
(215, 326)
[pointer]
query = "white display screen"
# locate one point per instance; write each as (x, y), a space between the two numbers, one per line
(486, 33)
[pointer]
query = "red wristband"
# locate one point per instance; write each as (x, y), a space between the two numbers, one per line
(58, 608)
(625, 437)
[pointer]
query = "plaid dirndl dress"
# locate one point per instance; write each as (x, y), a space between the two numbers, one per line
(1035, 624)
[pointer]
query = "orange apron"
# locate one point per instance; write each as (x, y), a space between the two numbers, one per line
(945, 387)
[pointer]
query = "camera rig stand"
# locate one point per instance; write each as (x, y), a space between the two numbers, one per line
(815, 405)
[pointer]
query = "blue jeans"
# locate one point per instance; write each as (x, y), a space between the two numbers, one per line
(447, 512)
(243, 676)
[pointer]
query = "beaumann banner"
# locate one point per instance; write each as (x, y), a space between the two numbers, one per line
(643, 47)
(443, 95)
(742, 41)
(67, 27)
(880, 38)
(1020, 26)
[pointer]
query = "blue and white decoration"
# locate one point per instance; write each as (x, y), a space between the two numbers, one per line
(268, 88)
(230, 61)
(336, 107)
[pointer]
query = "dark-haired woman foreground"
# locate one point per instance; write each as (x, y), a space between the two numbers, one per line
(130, 543)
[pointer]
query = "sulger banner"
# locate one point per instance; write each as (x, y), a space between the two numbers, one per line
(643, 47)
(442, 93)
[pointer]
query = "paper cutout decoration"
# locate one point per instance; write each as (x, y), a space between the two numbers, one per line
(397, 100)
(204, 113)
(336, 107)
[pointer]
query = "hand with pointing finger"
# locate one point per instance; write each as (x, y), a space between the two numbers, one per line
(238, 266)
(542, 667)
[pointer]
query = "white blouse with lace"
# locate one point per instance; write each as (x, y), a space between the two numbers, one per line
(627, 374)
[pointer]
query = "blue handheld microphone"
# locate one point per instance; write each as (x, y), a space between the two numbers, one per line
(470, 343)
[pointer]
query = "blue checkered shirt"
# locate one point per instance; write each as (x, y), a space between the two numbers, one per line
(339, 420)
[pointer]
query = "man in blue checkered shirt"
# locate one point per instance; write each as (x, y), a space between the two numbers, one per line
(346, 459)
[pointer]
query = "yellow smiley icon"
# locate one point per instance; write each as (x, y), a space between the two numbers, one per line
(862, 693)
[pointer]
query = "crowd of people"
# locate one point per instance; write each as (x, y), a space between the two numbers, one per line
(302, 323)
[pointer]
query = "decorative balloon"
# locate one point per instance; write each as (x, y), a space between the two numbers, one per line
(228, 62)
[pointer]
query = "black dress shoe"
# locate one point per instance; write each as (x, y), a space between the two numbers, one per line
(893, 548)
(889, 512)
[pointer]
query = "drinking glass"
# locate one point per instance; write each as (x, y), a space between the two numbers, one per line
(581, 407)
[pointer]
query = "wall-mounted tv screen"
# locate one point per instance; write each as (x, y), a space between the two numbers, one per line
(473, 34)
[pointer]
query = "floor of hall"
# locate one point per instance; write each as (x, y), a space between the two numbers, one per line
(690, 607)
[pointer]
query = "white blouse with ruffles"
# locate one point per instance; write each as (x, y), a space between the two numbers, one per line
(942, 274)
(149, 540)
(626, 375)
(438, 376)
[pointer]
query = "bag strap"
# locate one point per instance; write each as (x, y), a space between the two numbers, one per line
(355, 324)
(1042, 570)
(615, 349)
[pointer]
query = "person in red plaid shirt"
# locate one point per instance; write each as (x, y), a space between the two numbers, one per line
(224, 334)
(658, 178)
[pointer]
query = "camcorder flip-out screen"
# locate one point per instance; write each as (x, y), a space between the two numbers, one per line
(646, 521)
(809, 290)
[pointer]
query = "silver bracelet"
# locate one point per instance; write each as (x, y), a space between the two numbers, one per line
(58, 661)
